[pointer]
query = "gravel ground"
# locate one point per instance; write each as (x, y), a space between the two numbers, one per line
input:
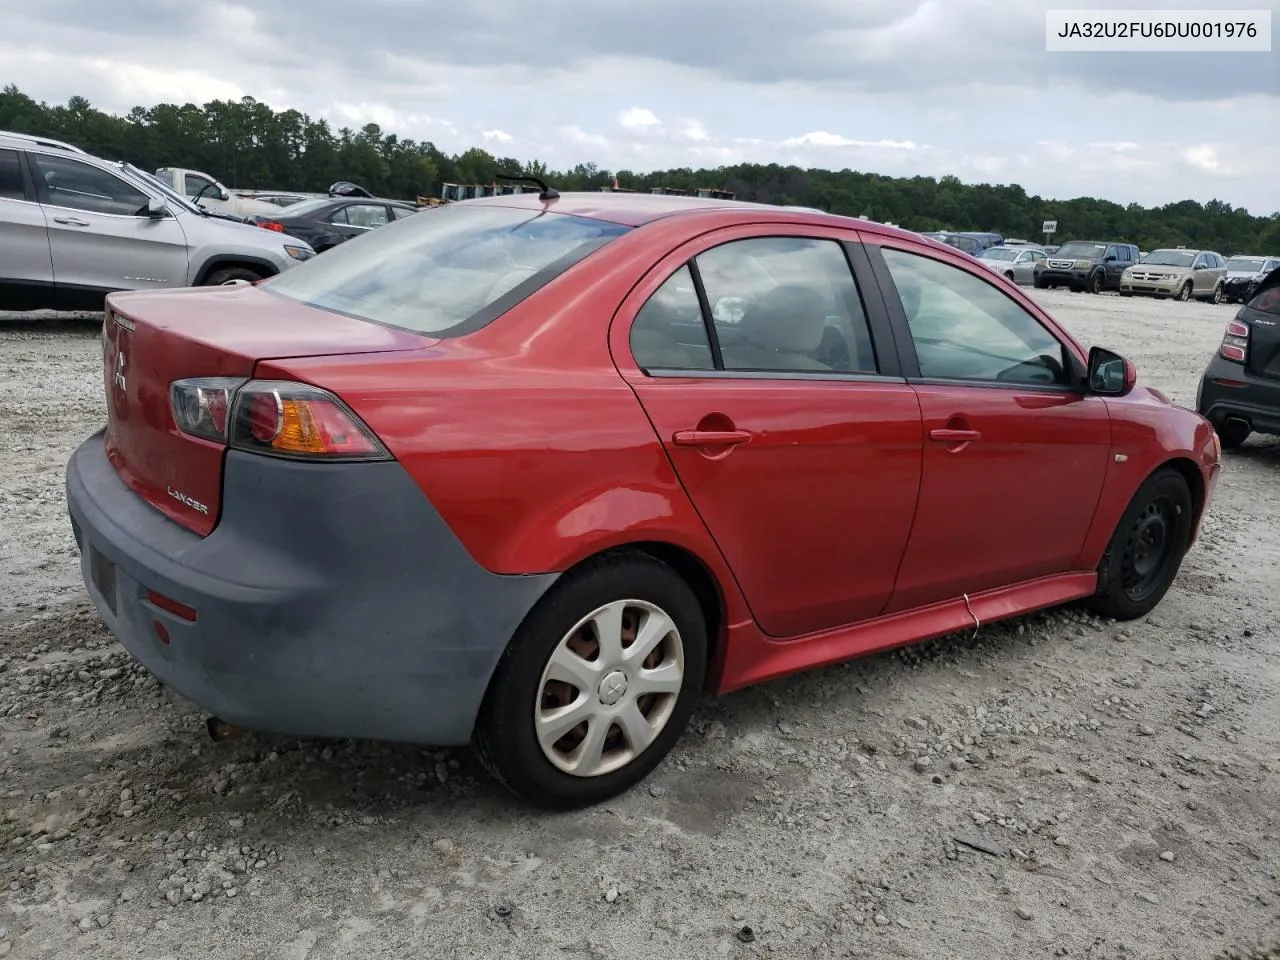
(1058, 786)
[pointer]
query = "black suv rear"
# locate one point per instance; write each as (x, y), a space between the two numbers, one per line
(1240, 390)
(1093, 265)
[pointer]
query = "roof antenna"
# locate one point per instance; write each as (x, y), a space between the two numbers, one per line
(547, 192)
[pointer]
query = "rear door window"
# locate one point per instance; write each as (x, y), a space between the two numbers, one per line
(11, 186)
(448, 273)
(669, 332)
(786, 304)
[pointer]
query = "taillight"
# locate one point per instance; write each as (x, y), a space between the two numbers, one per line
(1235, 342)
(287, 419)
(276, 417)
(271, 225)
(202, 406)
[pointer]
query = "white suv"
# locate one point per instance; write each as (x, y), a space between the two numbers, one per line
(75, 227)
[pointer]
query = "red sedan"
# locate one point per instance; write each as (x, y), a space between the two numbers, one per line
(534, 472)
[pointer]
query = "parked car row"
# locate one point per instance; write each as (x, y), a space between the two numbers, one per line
(74, 228)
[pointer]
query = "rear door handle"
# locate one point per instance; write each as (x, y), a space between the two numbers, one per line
(71, 221)
(946, 435)
(710, 438)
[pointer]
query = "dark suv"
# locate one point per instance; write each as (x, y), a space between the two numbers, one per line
(1093, 265)
(1240, 390)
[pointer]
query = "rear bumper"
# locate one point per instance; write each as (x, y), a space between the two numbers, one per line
(331, 600)
(1243, 395)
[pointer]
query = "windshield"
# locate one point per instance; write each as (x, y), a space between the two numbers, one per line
(1080, 251)
(447, 274)
(1244, 264)
(999, 253)
(151, 180)
(1170, 258)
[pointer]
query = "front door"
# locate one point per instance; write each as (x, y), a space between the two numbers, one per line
(1015, 455)
(100, 235)
(800, 451)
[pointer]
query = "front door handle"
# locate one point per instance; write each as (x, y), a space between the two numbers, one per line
(71, 221)
(947, 435)
(710, 438)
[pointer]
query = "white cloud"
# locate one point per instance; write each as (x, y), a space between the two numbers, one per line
(497, 136)
(638, 118)
(821, 138)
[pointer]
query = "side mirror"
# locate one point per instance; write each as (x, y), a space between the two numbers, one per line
(223, 194)
(1112, 259)
(1110, 375)
(156, 209)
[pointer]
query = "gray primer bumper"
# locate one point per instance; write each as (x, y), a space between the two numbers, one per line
(332, 600)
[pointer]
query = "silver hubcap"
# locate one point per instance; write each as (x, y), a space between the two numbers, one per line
(609, 688)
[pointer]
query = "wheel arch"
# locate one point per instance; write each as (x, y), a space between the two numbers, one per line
(223, 260)
(691, 568)
(1190, 472)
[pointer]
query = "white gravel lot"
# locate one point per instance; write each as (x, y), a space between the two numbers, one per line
(1059, 786)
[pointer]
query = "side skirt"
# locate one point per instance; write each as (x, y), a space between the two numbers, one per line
(753, 658)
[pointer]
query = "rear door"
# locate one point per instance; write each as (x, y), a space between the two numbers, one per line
(355, 219)
(1014, 456)
(100, 235)
(26, 266)
(782, 410)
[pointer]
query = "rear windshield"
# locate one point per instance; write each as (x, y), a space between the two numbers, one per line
(448, 271)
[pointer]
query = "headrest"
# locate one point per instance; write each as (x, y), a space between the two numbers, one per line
(789, 317)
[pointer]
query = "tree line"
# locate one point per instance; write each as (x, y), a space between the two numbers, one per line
(246, 144)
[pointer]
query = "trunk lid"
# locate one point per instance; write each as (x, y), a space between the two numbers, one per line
(152, 339)
(1262, 314)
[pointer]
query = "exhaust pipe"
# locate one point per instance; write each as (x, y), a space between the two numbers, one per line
(220, 730)
(1239, 423)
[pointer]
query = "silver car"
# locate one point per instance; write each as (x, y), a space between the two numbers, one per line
(1015, 263)
(75, 227)
(1243, 275)
(1179, 273)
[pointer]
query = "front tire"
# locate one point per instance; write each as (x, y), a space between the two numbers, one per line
(597, 684)
(228, 274)
(1095, 282)
(1185, 293)
(1146, 550)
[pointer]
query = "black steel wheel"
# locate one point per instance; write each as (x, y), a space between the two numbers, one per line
(1147, 548)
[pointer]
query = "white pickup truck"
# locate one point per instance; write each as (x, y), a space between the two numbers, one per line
(204, 190)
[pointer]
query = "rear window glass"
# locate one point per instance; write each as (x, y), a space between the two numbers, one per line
(1267, 301)
(448, 271)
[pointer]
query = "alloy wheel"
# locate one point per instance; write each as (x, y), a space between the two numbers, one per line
(609, 688)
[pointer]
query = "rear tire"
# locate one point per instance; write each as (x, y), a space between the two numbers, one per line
(227, 274)
(1232, 435)
(562, 638)
(1146, 550)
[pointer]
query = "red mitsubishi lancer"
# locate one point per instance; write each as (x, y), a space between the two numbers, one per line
(535, 472)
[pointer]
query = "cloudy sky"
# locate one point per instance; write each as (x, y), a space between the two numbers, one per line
(899, 87)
